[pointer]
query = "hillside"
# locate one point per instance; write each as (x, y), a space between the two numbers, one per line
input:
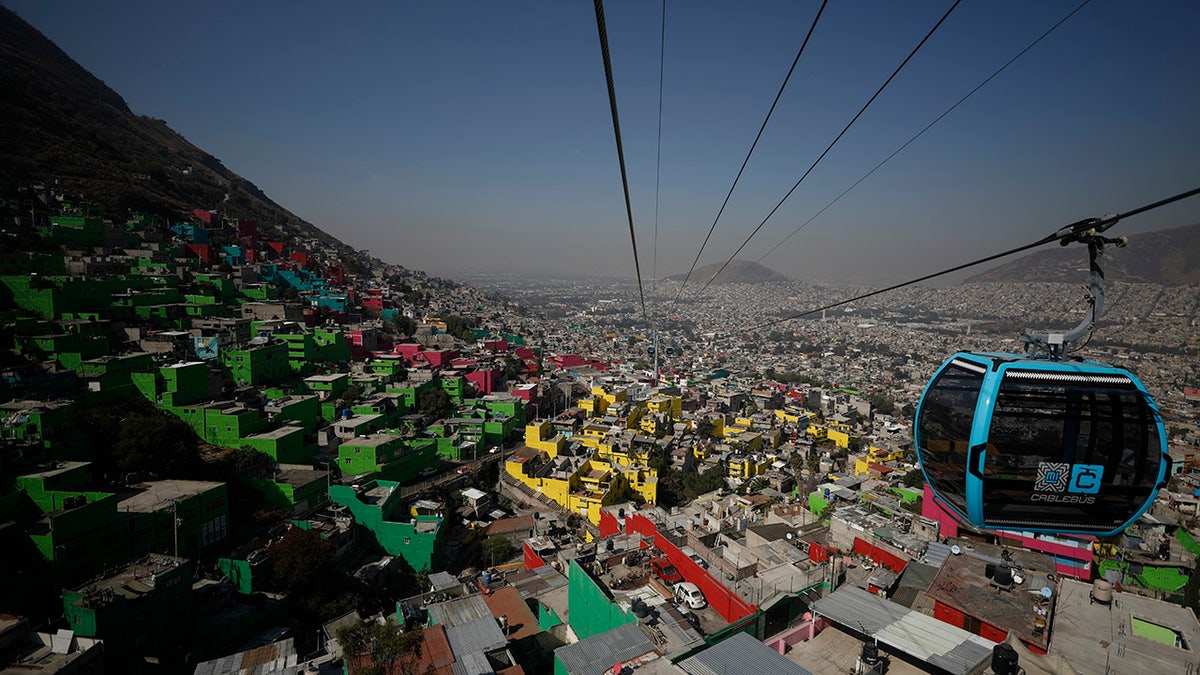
(1163, 257)
(64, 127)
(738, 271)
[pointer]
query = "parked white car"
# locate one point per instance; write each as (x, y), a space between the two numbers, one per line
(689, 594)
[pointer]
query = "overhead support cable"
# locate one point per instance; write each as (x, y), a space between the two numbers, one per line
(929, 126)
(753, 145)
(612, 102)
(662, 61)
(836, 139)
(1064, 235)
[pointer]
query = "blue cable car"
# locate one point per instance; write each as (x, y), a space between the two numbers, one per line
(1042, 442)
(1014, 443)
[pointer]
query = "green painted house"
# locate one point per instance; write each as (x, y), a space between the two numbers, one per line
(264, 363)
(414, 532)
(180, 517)
(140, 611)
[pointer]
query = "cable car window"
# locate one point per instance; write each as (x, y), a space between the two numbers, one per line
(1078, 451)
(947, 411)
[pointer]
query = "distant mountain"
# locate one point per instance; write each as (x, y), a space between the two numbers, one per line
(1167, 257)
(63, 124)
(738, 271)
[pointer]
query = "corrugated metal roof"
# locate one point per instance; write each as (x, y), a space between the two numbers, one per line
(277, 657)
(924, 637)
(459, 611)
(442, 580)
(481, 635)
(472, 663)
(741, 654)
(936, 553)
(600, 652)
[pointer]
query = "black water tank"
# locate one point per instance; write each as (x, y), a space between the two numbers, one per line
(989, 570)
(870, 653)
(1003, 575)
(1004, 659)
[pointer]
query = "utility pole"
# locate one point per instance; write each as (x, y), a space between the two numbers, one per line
(175, 523)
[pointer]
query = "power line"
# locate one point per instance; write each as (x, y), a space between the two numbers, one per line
(753, 145)
(612, 102)
(836, 139)
(662, 61)
(1064, 235)
(929, 126)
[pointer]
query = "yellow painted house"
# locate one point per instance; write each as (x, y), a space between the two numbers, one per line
(750, 465)
(541, 437)
(593, 434)
(820, 432)
(600, 401)
(576, 484)
(662, 404)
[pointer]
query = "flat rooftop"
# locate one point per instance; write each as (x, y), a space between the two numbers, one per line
(137, 579)
(58, 469)
(1130, 636)
(157, 494)
(961, 583)
(372, 440)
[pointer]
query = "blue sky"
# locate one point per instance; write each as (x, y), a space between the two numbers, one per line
(458, 137)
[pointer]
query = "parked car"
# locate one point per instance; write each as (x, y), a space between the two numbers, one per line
(465, 468)
(427, 471)
(689, 594)
(663, 569)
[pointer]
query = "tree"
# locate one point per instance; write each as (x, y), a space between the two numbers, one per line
(497, 548)
(882, 404)
(373, 648)
(697, 484)
(657, 458)
(300, 560)
(459, 327)
(404, 326)
(433, 402)
(913, 479)
(705, 428)
(1191, 592)
(156, 443)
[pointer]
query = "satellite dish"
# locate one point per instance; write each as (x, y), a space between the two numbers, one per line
(955, 549)
(1046, 592)
(1018, 579)
(790, 535)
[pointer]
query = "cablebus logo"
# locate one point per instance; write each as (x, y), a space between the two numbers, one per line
(1065, 483)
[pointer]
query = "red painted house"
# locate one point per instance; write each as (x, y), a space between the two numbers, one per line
(200, 251)
(964, 596)
(500, 345)
(1072, 553)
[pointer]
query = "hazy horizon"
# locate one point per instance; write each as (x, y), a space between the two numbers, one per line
(468, 138)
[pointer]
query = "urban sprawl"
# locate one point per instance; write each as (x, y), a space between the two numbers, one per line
(229, 453)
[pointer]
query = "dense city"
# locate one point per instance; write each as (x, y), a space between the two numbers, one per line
(224, 452)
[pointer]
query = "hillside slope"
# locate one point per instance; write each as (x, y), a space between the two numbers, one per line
(1168, 257)
(738, 271)
(63, 124)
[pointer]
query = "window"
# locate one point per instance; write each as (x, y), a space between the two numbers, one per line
(945, 430)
